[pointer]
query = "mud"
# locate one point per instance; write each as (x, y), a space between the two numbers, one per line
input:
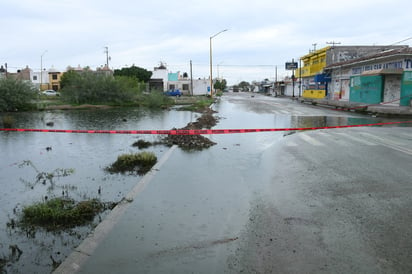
(194, 142)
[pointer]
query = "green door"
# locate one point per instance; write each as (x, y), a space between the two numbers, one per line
(406, 89)
(366, 89)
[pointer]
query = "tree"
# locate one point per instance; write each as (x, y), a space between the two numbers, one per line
(221, 85)
(68, 77)
(16, 94)
(141, 74)
(244, 86)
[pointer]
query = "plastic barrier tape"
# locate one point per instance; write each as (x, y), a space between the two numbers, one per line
(194, 131)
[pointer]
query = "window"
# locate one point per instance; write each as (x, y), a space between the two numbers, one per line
(54, 76)
(172, 87)
(185, 87)
(35, 78)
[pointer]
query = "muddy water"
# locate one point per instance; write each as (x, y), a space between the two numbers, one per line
(87, 154)
(190, 216)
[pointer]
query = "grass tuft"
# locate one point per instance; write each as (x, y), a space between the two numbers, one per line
(139, 162)
(61, 213)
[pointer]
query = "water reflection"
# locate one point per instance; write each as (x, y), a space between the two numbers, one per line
(89, 154)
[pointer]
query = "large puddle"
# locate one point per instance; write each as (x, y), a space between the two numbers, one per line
(89, 154)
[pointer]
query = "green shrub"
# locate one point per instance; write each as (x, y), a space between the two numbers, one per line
(16, 94)
(92, 88)
(156, 99)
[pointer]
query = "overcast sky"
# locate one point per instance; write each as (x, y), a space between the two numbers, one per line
(262, 34)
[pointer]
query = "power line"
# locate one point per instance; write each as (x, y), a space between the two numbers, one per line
(401, 41)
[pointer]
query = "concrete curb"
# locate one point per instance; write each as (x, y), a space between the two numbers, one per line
(345, 105)
(80, 255)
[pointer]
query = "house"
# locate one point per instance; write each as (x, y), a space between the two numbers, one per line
(54, 79)
(40, 79)
(159, 78)
(164, 80)
(384, 77)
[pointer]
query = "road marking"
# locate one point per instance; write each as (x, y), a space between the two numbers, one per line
(380, 139)
(283, 112)
(291, 144)
(310, 139)
(405, 135)
(388, 143)
(357, 139)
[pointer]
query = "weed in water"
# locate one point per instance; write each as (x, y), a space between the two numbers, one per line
(142, 144)
(61, 213)
(140, 163)
(45, 177)
(8, 121)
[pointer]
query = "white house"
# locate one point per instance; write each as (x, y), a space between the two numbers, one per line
(173, 81)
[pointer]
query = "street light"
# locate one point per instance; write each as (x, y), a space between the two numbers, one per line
(211, 77)
(41, 69)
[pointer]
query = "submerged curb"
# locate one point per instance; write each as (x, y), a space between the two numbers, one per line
(80, 255)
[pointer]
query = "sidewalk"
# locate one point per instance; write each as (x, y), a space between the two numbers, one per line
(384, 109)
(79, 257)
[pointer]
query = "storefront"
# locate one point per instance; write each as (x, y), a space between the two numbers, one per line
(381, 78)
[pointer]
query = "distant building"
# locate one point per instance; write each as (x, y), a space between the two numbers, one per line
(311, 81)
(164, 80)
(384, 77)
(159, 78)
(54, 79)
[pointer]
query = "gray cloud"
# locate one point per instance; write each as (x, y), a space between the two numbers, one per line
(262, 34)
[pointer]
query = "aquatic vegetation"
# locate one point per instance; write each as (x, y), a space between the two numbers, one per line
(61, 213)
(8, 121)
(46, 177)
(140, 163)
(142, 144)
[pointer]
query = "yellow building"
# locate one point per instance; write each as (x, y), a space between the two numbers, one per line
(313, 85)
(315, 82)
(54, 79)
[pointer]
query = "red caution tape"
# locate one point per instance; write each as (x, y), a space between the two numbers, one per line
(193, 131)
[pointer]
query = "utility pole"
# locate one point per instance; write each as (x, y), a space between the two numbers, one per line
(210, 53)
(41, 70)
(191, 78)
(106, 50)
(276, 81)
(314, 46)
(300, 77)
(293, 80)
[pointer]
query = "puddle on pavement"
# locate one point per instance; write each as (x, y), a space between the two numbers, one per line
(89, 154)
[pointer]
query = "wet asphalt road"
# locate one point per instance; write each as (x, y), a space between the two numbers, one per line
(325, 201)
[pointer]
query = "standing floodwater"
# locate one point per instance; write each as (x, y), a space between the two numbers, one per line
(25, 155)
(240, 158)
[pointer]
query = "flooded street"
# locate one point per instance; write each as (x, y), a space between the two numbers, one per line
(86, 154)
(268, 202)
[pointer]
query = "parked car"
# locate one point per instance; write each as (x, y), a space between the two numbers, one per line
(50, 92)
(174, 92)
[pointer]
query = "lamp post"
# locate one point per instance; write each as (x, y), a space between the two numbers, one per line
(211, 66)
(218, 76)
(41, 69)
